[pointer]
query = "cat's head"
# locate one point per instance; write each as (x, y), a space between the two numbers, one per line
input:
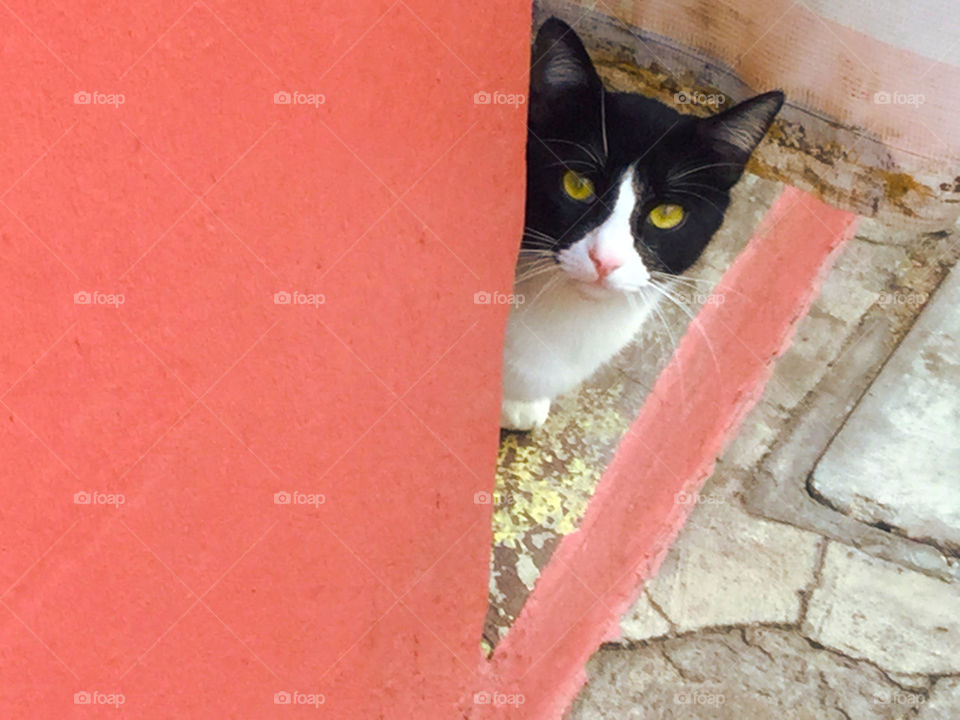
(619, 185)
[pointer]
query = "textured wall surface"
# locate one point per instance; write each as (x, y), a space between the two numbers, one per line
(247, 392)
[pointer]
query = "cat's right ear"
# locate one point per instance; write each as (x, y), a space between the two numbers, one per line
(562, 77)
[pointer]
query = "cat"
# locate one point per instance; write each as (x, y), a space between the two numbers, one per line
(623, 194)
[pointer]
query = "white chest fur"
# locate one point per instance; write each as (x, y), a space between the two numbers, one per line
(559, 337)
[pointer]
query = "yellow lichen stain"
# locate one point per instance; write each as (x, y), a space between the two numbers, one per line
(544, 481)
(623, 76)
(793, 137)
(897, 185)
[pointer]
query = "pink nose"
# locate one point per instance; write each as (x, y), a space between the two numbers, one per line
(603, 264)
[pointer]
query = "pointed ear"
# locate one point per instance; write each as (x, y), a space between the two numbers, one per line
(735, 133)
(562, 77)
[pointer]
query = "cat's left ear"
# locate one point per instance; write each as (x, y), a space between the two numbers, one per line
(735, 133)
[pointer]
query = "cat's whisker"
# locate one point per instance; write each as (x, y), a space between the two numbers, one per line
(528, 262)
(698, 196)
(693, 321)
(566, 163)
(685, 283)
(527, 228)
(549, 283)
(590, 153)
(708, 190)
(691, 282)
(526, 266)
(541, 259)
(677, 300)
(533, 271)
(699, 168)
(603, 120)
(712, 188)
(679, 278)
(673, 342)
(528, 258)
(539, 240)
(539, 250)
(538, 235)
(649, 302)
(538, 247)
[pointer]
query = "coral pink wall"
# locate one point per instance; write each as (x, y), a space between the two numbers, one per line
(156, 195)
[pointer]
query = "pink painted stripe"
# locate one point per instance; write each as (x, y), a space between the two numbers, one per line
(695, 406)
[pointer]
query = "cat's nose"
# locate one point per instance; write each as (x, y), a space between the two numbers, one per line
(604, 264)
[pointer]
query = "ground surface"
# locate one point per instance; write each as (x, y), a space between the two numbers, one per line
(818, 575)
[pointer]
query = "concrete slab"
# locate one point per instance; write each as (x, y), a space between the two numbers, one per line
(896, 463)
(704, 581)
(877, 288)
(643, 621)
(739, 674)
(901, 620)
(943, 702)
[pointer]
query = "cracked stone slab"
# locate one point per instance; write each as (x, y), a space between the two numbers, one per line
(896, 462)
(728, 568)
(877, 286)
(902, 620)
(943, 702)
(739, 674)
(643, 621)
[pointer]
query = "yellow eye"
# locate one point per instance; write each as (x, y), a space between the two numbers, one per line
(666, 217)
(577, 186)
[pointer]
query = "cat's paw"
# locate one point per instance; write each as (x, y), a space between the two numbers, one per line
(520, 415)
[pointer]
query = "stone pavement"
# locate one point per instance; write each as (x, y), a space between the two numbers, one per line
(819, 573)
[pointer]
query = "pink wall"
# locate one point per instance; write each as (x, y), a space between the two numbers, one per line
(184, 188)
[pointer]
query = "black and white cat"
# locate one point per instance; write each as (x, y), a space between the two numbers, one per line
(623, 193)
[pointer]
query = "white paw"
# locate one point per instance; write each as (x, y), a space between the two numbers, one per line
(520, 415)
